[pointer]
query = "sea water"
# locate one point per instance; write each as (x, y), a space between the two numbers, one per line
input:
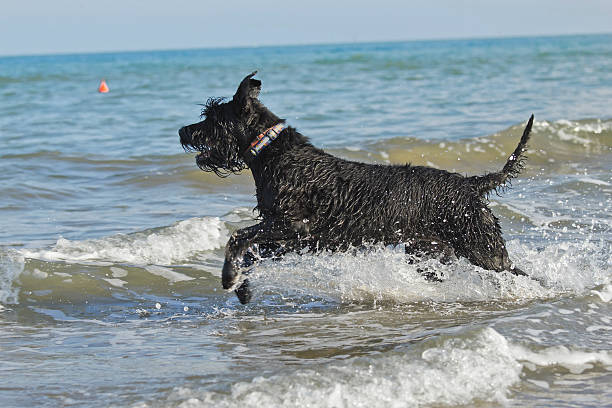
(111, 239)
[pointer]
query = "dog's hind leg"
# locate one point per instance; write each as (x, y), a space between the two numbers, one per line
(507, 265)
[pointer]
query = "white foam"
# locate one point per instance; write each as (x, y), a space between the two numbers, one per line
(597, 127)
(455, 371)
(574, 132)
(164, 246)
(11, 266)
(480, 365)
(605, 294)
(168, 273)
(118, 272)
(384, 275)
(576, 361)
(541, 384)
(38, 274)
(115, 282)
(239, 214)
(591, 180)
(565, 267)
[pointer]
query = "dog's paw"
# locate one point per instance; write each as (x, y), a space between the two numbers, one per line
(244, 293)
(432, 275)
(229, 275)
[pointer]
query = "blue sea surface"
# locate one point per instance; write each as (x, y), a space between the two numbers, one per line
(111, 238)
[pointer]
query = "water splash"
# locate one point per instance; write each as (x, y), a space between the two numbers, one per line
(11, 266)
(384, 275)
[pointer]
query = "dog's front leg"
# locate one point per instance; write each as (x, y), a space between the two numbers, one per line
(240, 241)
(426, 248)
(235, 249)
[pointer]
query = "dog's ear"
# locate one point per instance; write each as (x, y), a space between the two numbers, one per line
(247, 91)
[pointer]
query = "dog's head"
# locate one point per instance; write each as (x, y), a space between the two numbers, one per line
(227, 129)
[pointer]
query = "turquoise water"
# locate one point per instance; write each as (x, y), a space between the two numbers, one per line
(111, 239)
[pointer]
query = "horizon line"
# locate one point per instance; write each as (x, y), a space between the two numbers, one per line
(304, 44)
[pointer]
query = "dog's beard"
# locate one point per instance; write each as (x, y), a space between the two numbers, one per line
(221, 160)
(216, 140)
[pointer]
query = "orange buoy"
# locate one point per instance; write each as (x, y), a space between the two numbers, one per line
(103, 88)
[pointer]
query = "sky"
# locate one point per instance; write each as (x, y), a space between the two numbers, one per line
(71, 26)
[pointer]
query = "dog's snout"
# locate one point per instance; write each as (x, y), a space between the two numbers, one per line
(185, 136)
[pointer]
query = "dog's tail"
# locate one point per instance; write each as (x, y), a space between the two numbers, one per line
(514, 165)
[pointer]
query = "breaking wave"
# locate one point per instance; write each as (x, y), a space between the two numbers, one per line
(177, 243)
(478, 366)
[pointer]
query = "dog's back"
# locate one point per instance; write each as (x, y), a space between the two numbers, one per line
(338, 203)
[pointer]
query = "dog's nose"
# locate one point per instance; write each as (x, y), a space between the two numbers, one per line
(185, 136)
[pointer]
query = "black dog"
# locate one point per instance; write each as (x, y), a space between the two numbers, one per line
(310, 199)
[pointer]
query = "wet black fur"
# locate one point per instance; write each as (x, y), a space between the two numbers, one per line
(310, 199)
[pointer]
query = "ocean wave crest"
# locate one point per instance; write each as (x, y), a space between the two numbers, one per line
(453, 371)
(476, 366)
(555, 146)
(177, 243)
